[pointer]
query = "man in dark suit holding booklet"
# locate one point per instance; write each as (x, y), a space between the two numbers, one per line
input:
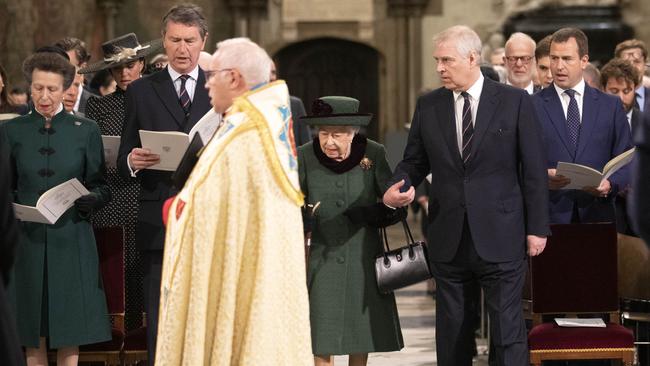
(581, 125)
(172, 99)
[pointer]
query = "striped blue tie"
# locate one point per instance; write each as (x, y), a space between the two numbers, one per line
(184, 97)
(573, 118)
(468, 129)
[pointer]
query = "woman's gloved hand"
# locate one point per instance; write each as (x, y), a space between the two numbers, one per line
(86, 204)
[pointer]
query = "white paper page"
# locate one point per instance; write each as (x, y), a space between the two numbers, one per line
(111, 147)
(170, 145)
(206, 126)
(580, 322)
(57, 200)
(626, 158)
(30, 214)
(580, 177)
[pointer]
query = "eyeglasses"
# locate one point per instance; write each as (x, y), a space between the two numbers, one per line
(210, 73)
(524, 59)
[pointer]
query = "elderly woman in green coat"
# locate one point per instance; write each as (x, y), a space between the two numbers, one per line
(55, 284)
(347, 174)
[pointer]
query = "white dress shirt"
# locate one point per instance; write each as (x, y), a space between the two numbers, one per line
(565, 99)
(190, 84)
(474, 96)
(530, 88)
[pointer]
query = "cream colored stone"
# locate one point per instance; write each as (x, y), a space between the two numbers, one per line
(332, 10)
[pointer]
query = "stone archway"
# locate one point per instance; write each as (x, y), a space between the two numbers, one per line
(332, 66)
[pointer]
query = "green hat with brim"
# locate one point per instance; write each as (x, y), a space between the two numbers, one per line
(336, 111)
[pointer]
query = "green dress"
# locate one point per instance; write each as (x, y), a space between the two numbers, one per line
(348, 313)
(55, 287)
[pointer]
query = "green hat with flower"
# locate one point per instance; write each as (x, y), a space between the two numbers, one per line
(336, 111)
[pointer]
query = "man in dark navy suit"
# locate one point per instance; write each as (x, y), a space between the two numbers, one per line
(172, 99)
(581, 125)
(488, 202)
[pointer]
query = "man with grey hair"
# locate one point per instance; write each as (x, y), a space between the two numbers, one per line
(234, 269)
(172, 99)
(519, 60)
(488, 203)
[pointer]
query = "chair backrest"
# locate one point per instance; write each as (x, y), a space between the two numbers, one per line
(110, 248)
(577, 272)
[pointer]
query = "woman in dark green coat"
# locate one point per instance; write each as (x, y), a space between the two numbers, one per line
(55, 285)
(347, 174)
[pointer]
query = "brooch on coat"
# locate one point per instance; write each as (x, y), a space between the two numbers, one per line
(365, 163)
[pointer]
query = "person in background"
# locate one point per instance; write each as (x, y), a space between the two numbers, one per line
(543, 60)
(301, 132)
(79, 57)
(619, 77)
(6, 104)
(18, 95)
(55, 285)
(496, 58)
(581, 125)
(635, 51)
(70, 95)
(103, 83)
(124, 60)
(591, 75)
(519, 60)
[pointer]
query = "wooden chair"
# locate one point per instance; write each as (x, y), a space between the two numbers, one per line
(577, 274)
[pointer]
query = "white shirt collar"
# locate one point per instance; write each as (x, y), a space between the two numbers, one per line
(475, 90)
(194, 74)
(530, 88)
(579, 88)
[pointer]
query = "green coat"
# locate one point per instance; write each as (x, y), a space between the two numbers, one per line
(348, 313)
(55, 285)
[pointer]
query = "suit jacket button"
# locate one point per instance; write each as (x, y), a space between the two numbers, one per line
(340, 203)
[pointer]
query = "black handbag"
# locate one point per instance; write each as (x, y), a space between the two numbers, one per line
(401, 267)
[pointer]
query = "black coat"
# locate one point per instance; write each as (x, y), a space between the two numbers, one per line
(152, 104)
(502, 190)
(10, 351)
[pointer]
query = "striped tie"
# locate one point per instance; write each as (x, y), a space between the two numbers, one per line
(184, 97)
(573, 117)
(468, 129)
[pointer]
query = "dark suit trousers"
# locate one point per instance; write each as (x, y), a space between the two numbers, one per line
(456, 301)
(152, 261)
(11, 353)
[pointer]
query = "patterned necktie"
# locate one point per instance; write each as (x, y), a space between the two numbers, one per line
(184, 97)
(573, 117)
(468, 128)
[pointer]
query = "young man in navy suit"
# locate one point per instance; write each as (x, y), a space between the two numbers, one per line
(581, 125)
(172, 99)
(488, 202)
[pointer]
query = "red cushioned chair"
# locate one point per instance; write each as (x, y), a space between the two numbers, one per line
(110, 250)
(577, 274)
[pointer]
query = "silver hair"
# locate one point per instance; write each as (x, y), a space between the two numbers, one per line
(465, 39)
(247, 57)
(519, 36)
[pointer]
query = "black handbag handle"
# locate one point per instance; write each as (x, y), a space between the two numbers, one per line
(409, 237)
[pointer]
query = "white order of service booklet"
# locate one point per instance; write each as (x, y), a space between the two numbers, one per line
(111, 147)
(171, 145)
(583, 176)
(580, 322)
(52, 204)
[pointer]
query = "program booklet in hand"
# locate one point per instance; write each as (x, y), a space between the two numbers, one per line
(583, 176)
(171, 145)
(111, 147)
(52, 204)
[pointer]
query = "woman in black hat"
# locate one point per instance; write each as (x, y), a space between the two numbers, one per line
(124, 58)
(345, 175)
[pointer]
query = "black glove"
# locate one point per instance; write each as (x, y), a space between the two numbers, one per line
(377, 215)
(86, 204)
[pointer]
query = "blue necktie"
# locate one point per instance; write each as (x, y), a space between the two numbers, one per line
(468, 128)
(573, 117)
(184, 97)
